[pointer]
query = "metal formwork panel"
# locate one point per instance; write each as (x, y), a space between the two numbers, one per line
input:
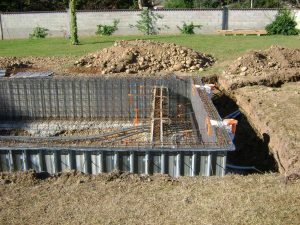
(65, 161)
(156, 163)
(35, 161)
(124, 162)
(109, 162)
(5, 162)
(188, 166)
(80, 162)
(18, 161)
(140, 163)
(50, 163)
(97, 162)
(172, 165)
(204, 158)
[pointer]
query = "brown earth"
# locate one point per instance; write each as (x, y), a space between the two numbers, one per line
(144, 57)
(271, 67)
(73, 198)
(125, 57)
(264, 85)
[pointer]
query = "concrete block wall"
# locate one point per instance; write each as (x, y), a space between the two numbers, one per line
(297, 15)
(250, 19)
(19, 25)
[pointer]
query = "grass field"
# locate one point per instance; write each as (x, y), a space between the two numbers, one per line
(223, 48)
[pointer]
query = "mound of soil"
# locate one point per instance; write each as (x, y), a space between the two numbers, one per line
(271, 67)
(144, 56)
(13, 63)
(266, 88)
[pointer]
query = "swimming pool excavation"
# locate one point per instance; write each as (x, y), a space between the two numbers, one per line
(96, 124)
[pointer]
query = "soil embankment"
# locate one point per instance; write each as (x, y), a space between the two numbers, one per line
(265, 84)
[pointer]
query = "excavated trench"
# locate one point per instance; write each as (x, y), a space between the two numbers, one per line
(251, 148)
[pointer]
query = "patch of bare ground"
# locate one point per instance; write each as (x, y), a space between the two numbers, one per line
(264, 85)
(74, 198)
(275, 112)
(59, 65)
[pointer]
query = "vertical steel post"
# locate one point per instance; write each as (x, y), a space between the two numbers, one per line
(100, 162)
(224, 165)
(194, 158)
(147, 163)
(1, 27)
(225, 18)
(178, 164)
(56, 160)
(25, 161)
(116, 161)
(40, 159)
(163, 167)
(11, 161)
(208, 172)
(132, 162)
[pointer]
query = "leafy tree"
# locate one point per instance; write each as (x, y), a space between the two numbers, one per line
(73, 26)
(284, 23)
(147, 23)
(171, 4)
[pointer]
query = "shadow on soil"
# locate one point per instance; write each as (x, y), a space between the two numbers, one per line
(251, 150)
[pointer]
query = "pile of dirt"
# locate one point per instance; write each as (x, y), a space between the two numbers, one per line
(271, 67)
(144, 56)
(13, 63)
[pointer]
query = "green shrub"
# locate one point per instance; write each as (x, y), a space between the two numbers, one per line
(107, 30)
(38, 32)
(284, 23)
(188, 28)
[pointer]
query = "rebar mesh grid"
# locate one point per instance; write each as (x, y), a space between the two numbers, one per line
(181, 113)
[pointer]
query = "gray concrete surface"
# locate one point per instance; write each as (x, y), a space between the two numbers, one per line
(20, 25)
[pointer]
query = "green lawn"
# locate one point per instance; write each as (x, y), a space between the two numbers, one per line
(222, 48)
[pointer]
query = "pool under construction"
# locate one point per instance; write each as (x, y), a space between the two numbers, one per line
(96, 124)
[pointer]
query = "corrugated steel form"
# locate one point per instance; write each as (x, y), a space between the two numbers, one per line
(187, 144)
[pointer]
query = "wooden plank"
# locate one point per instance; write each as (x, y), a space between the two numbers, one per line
(242, 32)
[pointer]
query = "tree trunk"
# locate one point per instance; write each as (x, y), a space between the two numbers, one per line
(73, 23)
(141, 4)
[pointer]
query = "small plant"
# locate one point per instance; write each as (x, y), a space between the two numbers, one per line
(284, 23)
(38, 32)
(188, 28)
(148, 22)
(107, 30)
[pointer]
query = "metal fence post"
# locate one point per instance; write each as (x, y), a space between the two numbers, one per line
(1, 27)
(225, 15)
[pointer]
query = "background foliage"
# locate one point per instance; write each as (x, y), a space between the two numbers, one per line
(49, 5)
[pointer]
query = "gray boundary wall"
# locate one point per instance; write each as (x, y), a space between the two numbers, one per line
(19, 25)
